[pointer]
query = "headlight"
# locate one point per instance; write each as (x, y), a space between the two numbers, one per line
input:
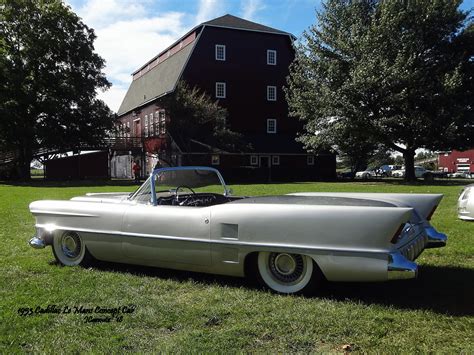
(465, 194)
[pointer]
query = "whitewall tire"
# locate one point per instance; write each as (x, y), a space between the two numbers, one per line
(69, 249)
(287, 273)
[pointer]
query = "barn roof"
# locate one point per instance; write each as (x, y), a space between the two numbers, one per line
(162, 79)
(157, 82)
(230, 21)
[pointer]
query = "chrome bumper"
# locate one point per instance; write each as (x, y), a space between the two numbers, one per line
(37, 243)
(435, 239)
(400, 268)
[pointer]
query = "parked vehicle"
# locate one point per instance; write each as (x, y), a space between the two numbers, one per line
(346, 175)
(366, 174)
(466, 204)
(186, 218)
(461, 175)
(386, 170)
(420, 172)
(399, 172)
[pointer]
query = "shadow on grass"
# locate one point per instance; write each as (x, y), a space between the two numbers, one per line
(444, 290)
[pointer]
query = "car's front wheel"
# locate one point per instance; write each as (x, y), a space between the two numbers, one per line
(69, 250)
(287, 273)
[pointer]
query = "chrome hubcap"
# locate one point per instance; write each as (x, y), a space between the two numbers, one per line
(71, 245)
(286, 267)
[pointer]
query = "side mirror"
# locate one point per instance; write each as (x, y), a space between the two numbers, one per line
(230, 192)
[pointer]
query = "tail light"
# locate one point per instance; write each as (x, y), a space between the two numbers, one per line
(397, 234)
(428, 218)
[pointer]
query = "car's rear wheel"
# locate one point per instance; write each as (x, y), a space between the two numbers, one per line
(287, 273)
(69, 250)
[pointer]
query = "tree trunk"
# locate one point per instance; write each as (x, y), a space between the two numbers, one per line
(24, 161)
(409, 156)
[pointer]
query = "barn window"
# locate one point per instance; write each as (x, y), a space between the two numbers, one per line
(271, 57)
(215, 160)
(146, 125)
(310, 160)
(254, 160)
(162, 121)
(157, 124)
(271, 125)
(271, 93)
(220, 90)
(276, 160)
(220, 52)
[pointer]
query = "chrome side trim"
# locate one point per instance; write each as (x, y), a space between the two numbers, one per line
(435, 239)
(37, 243)
(56, 213)
(400, 268)
(302, 248)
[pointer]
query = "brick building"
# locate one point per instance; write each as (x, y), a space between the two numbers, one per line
(244, 66)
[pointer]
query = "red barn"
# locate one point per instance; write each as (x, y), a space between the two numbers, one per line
(244, 66)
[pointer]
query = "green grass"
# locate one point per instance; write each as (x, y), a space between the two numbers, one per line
(179, 311)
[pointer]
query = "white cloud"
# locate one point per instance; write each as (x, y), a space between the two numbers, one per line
(126, 45)
(209, 9)
(114, 96)
(127, 36)
(250, 8)
(100, 13)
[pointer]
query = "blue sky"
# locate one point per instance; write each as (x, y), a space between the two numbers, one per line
(130, 32)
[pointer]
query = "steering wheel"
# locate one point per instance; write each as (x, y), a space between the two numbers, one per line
(182, 187)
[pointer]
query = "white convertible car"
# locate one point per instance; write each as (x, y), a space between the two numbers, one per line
(186, 218)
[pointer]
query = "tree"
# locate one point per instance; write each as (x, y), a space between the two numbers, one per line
(49, 75)
(195, 116)
(396, 73)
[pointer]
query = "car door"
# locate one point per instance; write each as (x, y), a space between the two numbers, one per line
(176, 234)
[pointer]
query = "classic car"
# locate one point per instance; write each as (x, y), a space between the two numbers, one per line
(466, 203)
(186, 218)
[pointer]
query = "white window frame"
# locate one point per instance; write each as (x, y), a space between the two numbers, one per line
(275, 160)
(271, 89)
(146, 126)
(156, 131)
(253, 160)
(220, 85)
(217, 52)
(215, 159)
(271, 121)
(310, 160)
(269, 55)
(150, 124)
(162, 122)
(135, 133)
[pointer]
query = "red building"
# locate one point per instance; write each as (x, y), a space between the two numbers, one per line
(456, 161)
(244, 66)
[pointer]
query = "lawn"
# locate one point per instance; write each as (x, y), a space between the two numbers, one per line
(183, 312)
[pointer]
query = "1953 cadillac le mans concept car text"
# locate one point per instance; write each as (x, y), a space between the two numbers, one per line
(185, 218)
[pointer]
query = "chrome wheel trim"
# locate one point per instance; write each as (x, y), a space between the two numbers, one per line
(69, 248)
(285, 272)
(71, 245)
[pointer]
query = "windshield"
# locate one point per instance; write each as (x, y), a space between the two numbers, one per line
(181, 180)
